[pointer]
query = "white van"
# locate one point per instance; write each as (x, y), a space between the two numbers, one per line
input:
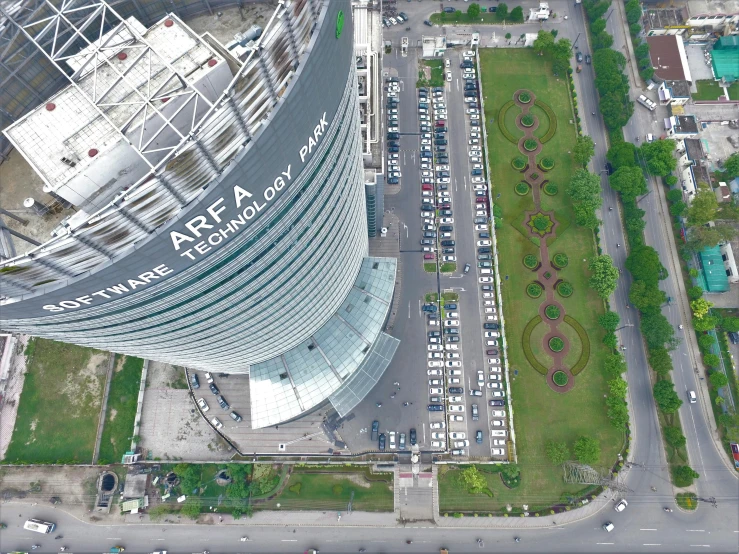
(486, 271)
(39, 526)
(498, 433)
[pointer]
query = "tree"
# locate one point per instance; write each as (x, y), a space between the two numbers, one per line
(609, 320)
(633, 11)
(711, 360)
(617, 387)
(598, 26)
(705, 323)
(718, 379)
(705, 342)
(596, 8)
(616, 109)
(189, 475)
(645, 297)
(473, 480)
(517, 14)
(502, 11)
(587, 450)
(584, 187)
(658, 156)
(473, 11)
(604, 276)
(642, 51)
(706, 237)
(678, 208)
(666, 397)
(657, 331)
(683, 476)
(629, 181)
(674, 436)
(508, 36)
(660, 361)
(557, 452)
(457, 14)
(544, 42)
(703, 207)
(618, 411)
(644, 265)
(730, 324)
(583, 150)
(191, 508)
(731, 166)
(510, 471)
(700, 307)
(614, 365)
(622, 154)
(602, 40)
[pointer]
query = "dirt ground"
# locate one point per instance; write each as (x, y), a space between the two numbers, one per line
(230, 22)
(12, 393)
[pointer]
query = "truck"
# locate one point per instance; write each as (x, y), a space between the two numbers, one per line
(39, 526)
(646, 102)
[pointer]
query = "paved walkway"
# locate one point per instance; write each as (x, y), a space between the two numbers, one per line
(103, 407)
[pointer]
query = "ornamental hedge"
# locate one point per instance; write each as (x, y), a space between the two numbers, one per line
(551, 189)
(524, 97)
(501, 121)
(519, 163)
(552, 311)
(522, 189)
(556, 344)
(546, 164)
(584, 340)
(534, 290)
(565, 289)
(560, 378)
(527, 120)
(552, 120)
(530, 261)
(530, 145)
(560, 260)
(526, 345)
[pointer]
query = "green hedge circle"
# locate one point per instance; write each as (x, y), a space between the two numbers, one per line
(522, 189)
(530, 145)
(547, 164)
(524, 97)
(527, 120)
(552, 311)
(551, 189)
(560, 260)
(519, 163)
(552, 120)
(501, 121)
(564, 289)
(556, 344)
(530, 261)
(560, 378)
(534, 290)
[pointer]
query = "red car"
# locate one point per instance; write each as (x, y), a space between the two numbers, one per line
(428, 256)
(440, 122)
(427, 186)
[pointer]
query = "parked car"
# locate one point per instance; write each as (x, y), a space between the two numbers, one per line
(214, 389)
(203, 404)
(621, 506)
(235, 416)
(216, 423)
(375, 429)
(382, 442)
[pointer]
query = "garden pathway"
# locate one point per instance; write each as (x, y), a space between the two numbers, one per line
(546, 272)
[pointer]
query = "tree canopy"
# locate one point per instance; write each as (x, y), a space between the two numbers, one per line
(703, 207)
(604, 275)
(644, 265)
(658, 156)
(584, 189)
(622, 154)
(583, 150)
(731, 166)
(657, 331)
(557, 452)
(587, 450)
(666, 397)
(516, 14)
(473, 480)
(473, 11)
(629, 181)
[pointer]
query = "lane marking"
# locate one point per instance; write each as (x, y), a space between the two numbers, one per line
(700, 531)
(647, 529)
(289, 540)
(604, 543)
(652, 544)
(703, 545)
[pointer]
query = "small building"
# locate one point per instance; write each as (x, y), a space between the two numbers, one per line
(669, 59)
(690, 166)
(541, 13)
(727, 255)
(681, 126)
(433, 47)
(713, 276)
(680, 21)
(673, 93)
(725, 59)
(135, 485)
(135, 505)
(723, 194)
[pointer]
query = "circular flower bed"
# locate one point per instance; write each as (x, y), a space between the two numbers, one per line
(556, 344)
(527, 120)
(530, 261)
(551, 311)
(519, 163)
(540, 224)
(534, 290)
(546, 164)
(560, 378)
(565, 289)
(524, 97)
(560, 260)
(522, 189)
(530, 145)
(551, 189)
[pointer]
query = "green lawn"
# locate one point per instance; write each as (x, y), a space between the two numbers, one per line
(332, 491)
(541, 414)
(59, 407)
(710, 90)
(122, 401)
(464, 19)
(437, 74)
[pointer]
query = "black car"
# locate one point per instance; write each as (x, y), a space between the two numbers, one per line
(443, 187)
(429, 308)
(484, 250)
(451, 330)
(382, 442)
(440, 142)
(448, 250)
(480, 220)
(448, 242)
(496, 403)
(478, 437)
(450, 306)
(429, 234)
(493, 9)
(493, 326)
(439, 135)
(466, 63)
(588, 59)
(578, 56)
(474, 123)
(470, 86)
(427, 22)
(491, 351)
(393, 143)
(423, 105)
(449, 10)
(438, 89)
(393, 149)
(375, 429)
(403, 15)
(734, 337)
(222, 402)
(452, 339)
(484, 235)
(470, 93)
(475, 413)
(487, 288)
(441, 129)
(413, 436)
(236, 417)
(456, 390)
(195, 382)
(442, 174)
(484, 257)
(445, 212)
(426, 242)
(393, 136)
(434, 334)
(214, 389)
(609, 168)
(436, 407)
(426, 154)
(393, 181)
(427, 207)
(446, 228)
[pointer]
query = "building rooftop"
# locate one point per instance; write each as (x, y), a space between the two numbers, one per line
(713, 274)
(665, 18)
(135, 485)
(694, 149)
(686, 124)
(667, 53)
(679, 89)
(725, 58)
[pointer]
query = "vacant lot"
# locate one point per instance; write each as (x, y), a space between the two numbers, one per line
(541, 414)
(59, 407)
(122, 401)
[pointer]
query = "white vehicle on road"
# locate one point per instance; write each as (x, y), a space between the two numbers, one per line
(433, 347)
(451, 355)
(446, 219)
(203, 404)
(436, 363)
(497, 451)
(476, 160)
(484, 242)
(442, 168)
(478, 186)
(454, 363)
(435, 382)
(456, 418)
(432, 355)
(436, 372)
(496, 393)
(454, 381)
(456, 399)
(488, 295)
(452, 323)
(438, 425)
(451, 346)
(449, 258)
(438, 444)
(455, 372)
(621, 506)
(485, 280)
(457, 435)
(495, 361)
(497, 413)
(438, 435)
(461, 444)
(393, 446)
(435, 390)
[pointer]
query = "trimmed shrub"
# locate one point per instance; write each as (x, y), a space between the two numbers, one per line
(501, 121)
(530, 144)
(527, 120)
(551, 189)
(530, 261)
(560, 378)
(546, 164)
(564, 289)
(560, 260)
(519, 163)
(552, 311)
(534, 290)
(522, 189)
(524, 97)
(552, 120)
(556, 344)
(687, 500)
(526, 345)
(584, 340)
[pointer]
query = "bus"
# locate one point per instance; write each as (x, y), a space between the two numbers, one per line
(39, 526)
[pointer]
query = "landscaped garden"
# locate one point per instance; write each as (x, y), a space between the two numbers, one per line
(549, 408)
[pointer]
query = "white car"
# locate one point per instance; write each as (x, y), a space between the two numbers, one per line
(494, 369)
(447, 62)
(392, 117)
(456, 399)
(451, 346)
(488, 295)
(484, 242)
(470, 111)
(438, 425)
(452, 355)
(426, 193)
(426, 142)
(444, 194)
(497, 393)
(427, 214)
(435, 363)
(485, 280)
(470, 99)
(477, 160)
(476, 166)
(442, 168)
(452, 323)
(426, 173)
(457, 436)
(435, 383)
(469, 53)
(455, 372)
(424, 117)
(490, 305)
(392, 94)
(456, 418)
(459, 452)
(495, 361)
(454, 381)
(449, 258)
(393, 446)
(393, 156)
(480, 227)
(479, 186)
(474, 154)
(621, 506)
(494, 385)
(491, 318)
(438, 444)
(208, 377)
(432, 347)
(474, 116)
(445, 180)
(435, 390)
(473, 141)
(203, 404)
(490, 343)
(498, 442)
(423, 111)
(455, 363)
(497, 451)
(433, 323)
(492, 334)
(216, 423)
(474, 135)
(498, 413)
(438, 435)
(432, 355)
(425, 165)
(446, 219)
(497, 423)
(435, 372)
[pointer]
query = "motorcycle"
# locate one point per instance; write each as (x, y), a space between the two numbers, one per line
(517, 539)
(668, 510)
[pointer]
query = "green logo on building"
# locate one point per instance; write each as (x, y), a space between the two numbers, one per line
(339, 23)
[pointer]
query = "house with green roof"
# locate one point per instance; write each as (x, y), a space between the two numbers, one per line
(725, 59)
(713, 276)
